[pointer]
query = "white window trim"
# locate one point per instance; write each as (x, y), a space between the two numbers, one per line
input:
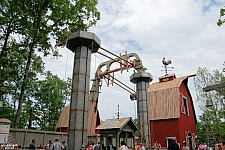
(183, 97)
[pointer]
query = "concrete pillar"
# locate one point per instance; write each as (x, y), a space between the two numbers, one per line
(142, 79)
(82, 44)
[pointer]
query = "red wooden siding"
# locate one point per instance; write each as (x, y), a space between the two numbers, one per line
(62, 129)
(160, 129)
(187, 123)
(92, 117)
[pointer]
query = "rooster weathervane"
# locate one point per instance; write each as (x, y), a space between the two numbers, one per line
(166, 63)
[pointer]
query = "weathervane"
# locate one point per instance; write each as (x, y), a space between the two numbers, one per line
(166, 63)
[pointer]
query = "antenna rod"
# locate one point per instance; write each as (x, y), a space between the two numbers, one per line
(118, 113)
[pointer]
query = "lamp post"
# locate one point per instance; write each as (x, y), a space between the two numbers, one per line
(217, 88)
(209, 132)
(209, 103)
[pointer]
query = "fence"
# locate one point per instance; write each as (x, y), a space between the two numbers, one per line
(24, 137)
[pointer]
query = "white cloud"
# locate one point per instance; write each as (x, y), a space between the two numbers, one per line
(183, 31)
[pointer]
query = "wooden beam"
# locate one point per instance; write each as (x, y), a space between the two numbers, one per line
(220, 91)
(216, 87)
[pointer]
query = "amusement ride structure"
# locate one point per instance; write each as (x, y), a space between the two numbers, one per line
(84, 117)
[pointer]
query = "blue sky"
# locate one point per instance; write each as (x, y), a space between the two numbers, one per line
(183, 31)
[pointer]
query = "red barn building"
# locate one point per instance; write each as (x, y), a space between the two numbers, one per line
(171, 112)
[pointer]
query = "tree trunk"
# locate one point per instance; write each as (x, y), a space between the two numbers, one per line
(30, 119)
(4, 49)
(25, 77)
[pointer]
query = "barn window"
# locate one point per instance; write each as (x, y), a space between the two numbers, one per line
(185, 106)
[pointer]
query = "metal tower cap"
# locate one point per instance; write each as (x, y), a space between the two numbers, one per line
(141, 76)
(82, 38)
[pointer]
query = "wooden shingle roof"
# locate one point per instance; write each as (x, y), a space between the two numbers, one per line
(115, 123)
(175, 83)
(164, 99)
(4, 120)
(64, 117)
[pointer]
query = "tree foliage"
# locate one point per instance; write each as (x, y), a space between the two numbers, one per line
(201, 130)
(29, 26)
(136, 123)
(45, 94)
(50, 96)
(215, 114)
(221, 19)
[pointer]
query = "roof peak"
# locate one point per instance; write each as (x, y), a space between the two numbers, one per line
(167, 77)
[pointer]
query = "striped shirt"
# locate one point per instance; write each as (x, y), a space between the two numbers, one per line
(56, 146)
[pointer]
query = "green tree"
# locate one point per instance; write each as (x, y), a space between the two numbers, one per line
(6, 111)
(45, 92)
(15, 64)
(201, 130)
(221, 19)
(36, 22)
(50, 97)
(9, 24)
(45, 95)
(136, 123)
(214, 114)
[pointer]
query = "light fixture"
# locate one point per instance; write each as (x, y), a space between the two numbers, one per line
(208, 103)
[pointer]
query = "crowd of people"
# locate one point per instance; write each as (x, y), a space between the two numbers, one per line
(140, 146)
(92, 146)
(220, 145)
(50, 146)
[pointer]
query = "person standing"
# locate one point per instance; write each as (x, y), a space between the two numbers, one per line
(123, 146)
(201, 146)
(49, 145)
(86, 147)
(185, 147)
(206, 146)
(32, 145)
(97, 146)
(219, 145)
(142, 145)
(63, 145)
(137, 147)
(57, 145)
(41, 147)
(173, 145)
